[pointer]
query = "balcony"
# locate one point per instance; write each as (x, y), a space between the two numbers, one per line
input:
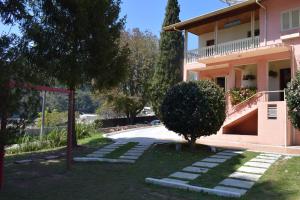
(196, 55)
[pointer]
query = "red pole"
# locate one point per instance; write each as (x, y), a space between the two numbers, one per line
(70, 130)
(2, 150)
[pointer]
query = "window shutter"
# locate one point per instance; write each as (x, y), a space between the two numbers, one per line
(285, 20)
(295, 18)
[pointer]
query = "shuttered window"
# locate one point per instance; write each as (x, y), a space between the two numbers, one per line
(295, 18)
(290, 19)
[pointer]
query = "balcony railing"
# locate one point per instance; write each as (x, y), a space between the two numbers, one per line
(223, 49)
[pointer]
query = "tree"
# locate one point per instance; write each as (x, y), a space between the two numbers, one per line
(293, 100)
(194, 109)
(133, 93)
(169, 67)
(77, 42)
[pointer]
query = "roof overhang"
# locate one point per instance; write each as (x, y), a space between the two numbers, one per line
(214, 16)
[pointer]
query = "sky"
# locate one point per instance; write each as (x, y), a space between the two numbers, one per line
(149, 14)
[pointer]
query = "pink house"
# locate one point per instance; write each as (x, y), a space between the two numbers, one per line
(252, 44)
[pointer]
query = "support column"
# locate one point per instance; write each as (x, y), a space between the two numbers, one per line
(216, 34)
(262, 76)
(252, 25)
(185, 46)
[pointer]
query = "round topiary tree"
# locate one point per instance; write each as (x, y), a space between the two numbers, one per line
(293, 100)
(194, 109)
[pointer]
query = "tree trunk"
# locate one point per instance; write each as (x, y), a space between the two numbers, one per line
(70, 130)
(74, 137)
(2, 149)
(193, 143)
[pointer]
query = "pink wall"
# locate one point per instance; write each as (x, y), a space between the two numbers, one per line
(274, 10)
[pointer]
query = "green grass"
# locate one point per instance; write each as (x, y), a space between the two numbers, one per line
(222, 171)
(50, 180)
(121, 150)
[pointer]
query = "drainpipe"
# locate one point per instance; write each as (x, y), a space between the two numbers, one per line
(262, 6)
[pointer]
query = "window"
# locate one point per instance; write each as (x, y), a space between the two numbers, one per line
(256, 33)
(290, 19)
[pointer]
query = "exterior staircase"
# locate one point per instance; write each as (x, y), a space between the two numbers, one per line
(244, 108)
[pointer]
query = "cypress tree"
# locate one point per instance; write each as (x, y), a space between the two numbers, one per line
(168, 70)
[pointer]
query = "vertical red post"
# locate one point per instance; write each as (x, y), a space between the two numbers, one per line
(70, 129)
(2, 150)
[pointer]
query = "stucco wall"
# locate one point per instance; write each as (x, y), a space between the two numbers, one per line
(225, 35)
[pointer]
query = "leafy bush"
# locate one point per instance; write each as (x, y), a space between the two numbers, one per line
(53, 118)
(57, 138)
(194, 109)
(238, 95)
(293, 100)
(98, 124)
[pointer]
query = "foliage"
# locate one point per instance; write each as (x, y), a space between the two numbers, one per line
(77, 42)
(238, 95)
(169, 67)
(128, 105)
(53, 118)
(293, 100)
(55, 138)
(14, 70)
(133, 93)
(194, 109)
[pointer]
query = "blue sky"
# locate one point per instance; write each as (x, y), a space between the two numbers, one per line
(149, 14)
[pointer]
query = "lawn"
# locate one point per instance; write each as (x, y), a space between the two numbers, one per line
(49, 179)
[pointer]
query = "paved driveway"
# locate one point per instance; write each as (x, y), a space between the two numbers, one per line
(145, 135)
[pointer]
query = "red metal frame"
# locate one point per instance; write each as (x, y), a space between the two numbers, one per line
(71, 94)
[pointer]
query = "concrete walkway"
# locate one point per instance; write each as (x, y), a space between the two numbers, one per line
(155, 134)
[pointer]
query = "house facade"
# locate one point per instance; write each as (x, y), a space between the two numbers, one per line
(255, 45)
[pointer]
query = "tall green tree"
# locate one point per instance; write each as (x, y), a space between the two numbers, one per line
(77, 42)
(169, 67)
(133, 93)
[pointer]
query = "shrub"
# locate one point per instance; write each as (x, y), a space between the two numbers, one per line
(57, 138)
(293, 100)
(238, 95)
(194, 109)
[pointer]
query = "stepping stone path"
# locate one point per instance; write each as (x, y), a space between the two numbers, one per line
(181, 178)
(129, 157)
(245, 177)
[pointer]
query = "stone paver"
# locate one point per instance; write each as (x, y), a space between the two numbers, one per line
(266, 158)
(185, 175)
(220, 156)
(205, 164)
(233, 151)
(270, 155)
(214, 160)
(237, 183)
(195, 169)
(226, 154)
(245, 176)
(133, 154)
(174, 180)
(129, 157)
(230, 189)
(263, 160)
(254, 170)
(258, 164)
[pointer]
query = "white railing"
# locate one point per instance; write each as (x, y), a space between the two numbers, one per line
(222, 49)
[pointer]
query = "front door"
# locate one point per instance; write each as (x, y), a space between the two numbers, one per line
(221, 81)
(285, 78)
